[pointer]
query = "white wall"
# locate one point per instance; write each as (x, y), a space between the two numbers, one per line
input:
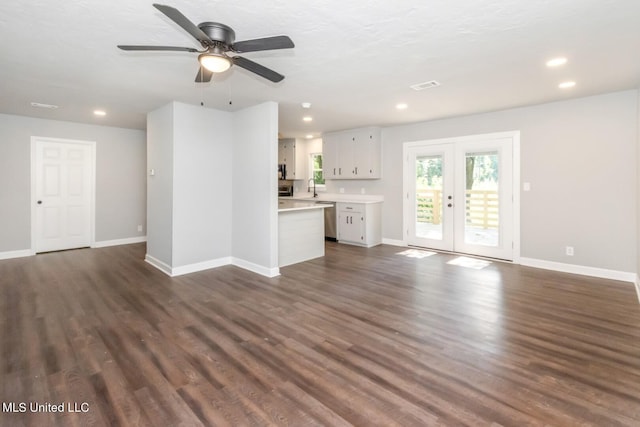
(120, 180)
(213, 198)
(121, 189)
(638, 198)
(580, 158)
(202, 149)
(255, 199)
(160, 185)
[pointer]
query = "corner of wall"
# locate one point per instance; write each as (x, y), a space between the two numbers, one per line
(255, 201)
(637, 283)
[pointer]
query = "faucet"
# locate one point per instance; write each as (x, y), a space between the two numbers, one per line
(315, 194)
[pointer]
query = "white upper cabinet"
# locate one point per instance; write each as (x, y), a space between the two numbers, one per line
(291, 153)
(352, 154)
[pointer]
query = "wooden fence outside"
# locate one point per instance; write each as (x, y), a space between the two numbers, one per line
(481, 207)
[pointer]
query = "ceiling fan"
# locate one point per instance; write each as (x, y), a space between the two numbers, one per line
(217, 41)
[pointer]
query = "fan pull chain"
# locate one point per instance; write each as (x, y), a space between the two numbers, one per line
(201, 89)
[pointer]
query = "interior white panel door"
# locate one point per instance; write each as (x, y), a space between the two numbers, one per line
(63, 195)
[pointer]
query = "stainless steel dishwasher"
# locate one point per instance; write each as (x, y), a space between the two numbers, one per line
(330, 230)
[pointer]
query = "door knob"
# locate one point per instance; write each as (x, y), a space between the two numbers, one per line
(449, 205)
(39, 202)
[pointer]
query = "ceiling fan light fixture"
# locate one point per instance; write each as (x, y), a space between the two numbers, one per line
(215, 62)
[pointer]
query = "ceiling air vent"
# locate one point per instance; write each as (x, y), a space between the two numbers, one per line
(41, 105)
(425, 85)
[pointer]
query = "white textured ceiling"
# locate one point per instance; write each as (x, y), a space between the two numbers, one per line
(353, 60)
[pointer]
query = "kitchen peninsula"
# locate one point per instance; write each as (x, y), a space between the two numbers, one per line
(300, 231)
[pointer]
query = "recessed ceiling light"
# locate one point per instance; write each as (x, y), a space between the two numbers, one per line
(402, 106)
(309, 136)
(556, 62)
(307, 118)
(306, 105)
(100, 113)
(566, 85)
(41, 105)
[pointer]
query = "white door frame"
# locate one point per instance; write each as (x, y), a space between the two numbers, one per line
(33, 198)
(515, 137)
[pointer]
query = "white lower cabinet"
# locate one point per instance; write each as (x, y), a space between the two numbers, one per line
(360, 223)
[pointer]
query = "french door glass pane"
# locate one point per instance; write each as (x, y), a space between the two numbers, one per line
(429, 197)
(482, 201)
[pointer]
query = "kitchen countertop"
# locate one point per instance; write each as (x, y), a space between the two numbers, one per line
(332, 197)
(289, 204)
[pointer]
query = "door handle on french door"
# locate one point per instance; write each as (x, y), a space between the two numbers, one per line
(39, 202)
(449, 205)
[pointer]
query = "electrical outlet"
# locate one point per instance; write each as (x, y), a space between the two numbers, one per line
(139, 227)
(362, 191)
(341, 190)
(569, 250)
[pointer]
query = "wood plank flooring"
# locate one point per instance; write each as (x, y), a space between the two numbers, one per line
(360, 337)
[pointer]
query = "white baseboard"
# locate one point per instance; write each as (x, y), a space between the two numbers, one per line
(259, 269)
(637, 284)
(165, 268)
(394, 242)
(580, 269)
(16, 254)
(214, 263)
(116, 242)
(199, 266)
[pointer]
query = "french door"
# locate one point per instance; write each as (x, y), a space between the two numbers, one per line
(63, 187)
(459, 196)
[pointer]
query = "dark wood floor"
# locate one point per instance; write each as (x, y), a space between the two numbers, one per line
(359, 337)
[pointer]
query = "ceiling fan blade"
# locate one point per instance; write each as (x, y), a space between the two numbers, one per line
(203, 75)
(176, 16)
(167, 48)
(267, 43)
(260, 70)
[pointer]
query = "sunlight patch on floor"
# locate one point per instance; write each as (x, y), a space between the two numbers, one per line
(477, 264)
(415, 253)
